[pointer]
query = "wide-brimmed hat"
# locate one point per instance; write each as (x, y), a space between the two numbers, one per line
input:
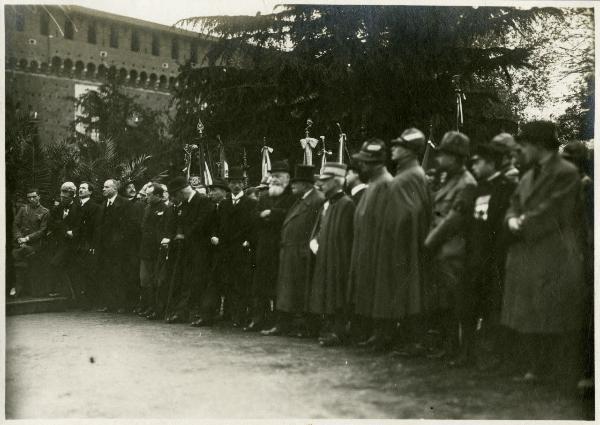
(455, 143)
(176, 184)
(219, 183)
(280, 167)
(412, 139)
(505, 142)
(371, 151)
(304, 173)
(541, 133)
(332, 169)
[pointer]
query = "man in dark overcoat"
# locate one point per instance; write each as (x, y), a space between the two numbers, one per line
(399, 274)
(64, 225)
(446, 242)
(156, 215)
(113, 234)
(136, 209)
(486, 254)
(331, 242)
(191, 243)
(295, 258)
(355, 186)
(368, 227)
(86, 258)
(270, 212)
(544, 288)
(234, 236)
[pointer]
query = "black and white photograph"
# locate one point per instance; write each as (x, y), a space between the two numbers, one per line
(255, 209)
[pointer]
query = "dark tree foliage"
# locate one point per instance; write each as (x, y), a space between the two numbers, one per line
(374, 69)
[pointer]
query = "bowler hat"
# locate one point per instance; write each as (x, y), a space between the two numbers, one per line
(236, 173)
(575, 151)
(219, 183)
(541, 133)
(372, 150)
(333, 169)
(412, 139)
(455, 143)
(280, 167)
(176, 184)
(304, 173)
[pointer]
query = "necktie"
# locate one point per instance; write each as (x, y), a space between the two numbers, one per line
(65, 212)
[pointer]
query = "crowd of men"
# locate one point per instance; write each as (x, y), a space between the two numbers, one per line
(498, 243)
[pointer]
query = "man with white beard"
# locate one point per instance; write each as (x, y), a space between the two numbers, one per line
(270, 212)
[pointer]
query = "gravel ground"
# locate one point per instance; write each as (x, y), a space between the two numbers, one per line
(94, 365)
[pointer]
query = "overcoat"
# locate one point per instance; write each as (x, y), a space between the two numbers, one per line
(544, 286)
(333, 233)
(295, 257)
(367, 229)
(398, 278)
(63, 248)
(268, 237)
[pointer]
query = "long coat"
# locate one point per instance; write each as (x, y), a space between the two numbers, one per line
(268, 237)
(295, 257)
(544, 268)
(333, 233)
(367, 228)
(64, 247)
(398, 279)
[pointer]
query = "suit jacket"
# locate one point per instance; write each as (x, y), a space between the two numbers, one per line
(154, 222)
(114, 227)
(193, 220)
(64, 246)
(32, 222)
(89, 218)
(236, 223)
(544, 285)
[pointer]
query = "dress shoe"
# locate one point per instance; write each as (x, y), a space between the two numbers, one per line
(200, 323)
(331, 340)
(528, 378)
(103, 310)
(121, 311)
(176, 318)
(274, 331)
(54, 294)
(252, 327)
(410, 350)
(370, 342)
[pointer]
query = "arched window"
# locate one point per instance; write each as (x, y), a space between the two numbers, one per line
(143, 78)
(91, 69)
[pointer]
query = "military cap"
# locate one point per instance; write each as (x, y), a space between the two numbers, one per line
(304, 173)
(280, 167)
(219, 183)
(333, 169)
(236, 173)
(372, 150)
(177, 184)
(505, 142)
(412, 139)
(455, 143)
(541, 133)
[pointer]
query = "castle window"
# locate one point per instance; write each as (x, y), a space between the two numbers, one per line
(135, 41)
(155, 45)
(175, 49)
(114, 37)
(44, 24)
(91, 35)
(69, 30)
(20, 21)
